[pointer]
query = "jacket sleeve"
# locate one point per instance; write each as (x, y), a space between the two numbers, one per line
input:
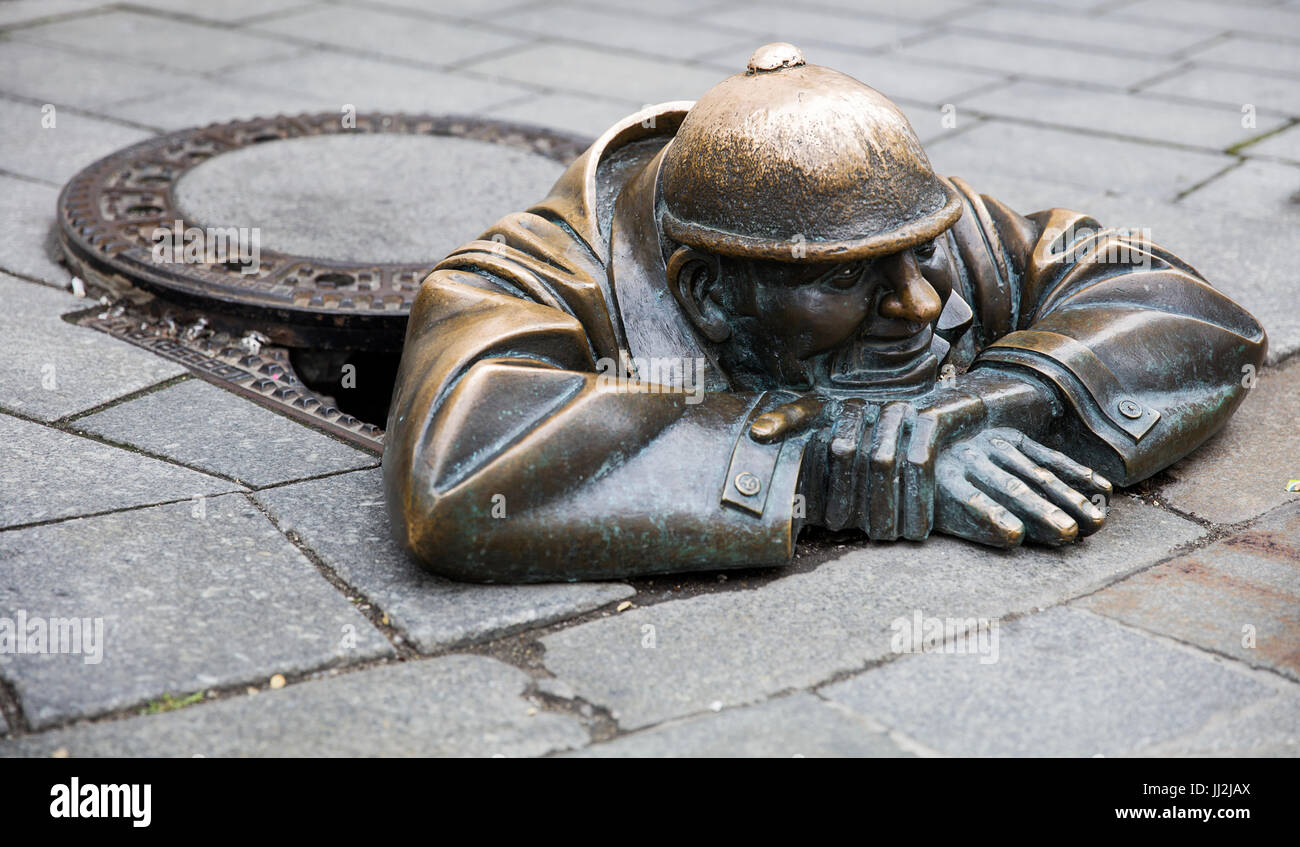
(1150, 359)
(512, 455)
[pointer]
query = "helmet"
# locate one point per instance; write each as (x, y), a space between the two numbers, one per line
(791, 161)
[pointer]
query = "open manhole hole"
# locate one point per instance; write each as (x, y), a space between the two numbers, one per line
(280, 256)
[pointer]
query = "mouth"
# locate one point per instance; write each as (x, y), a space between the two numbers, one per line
(888, 363)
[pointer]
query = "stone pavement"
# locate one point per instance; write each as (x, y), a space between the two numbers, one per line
(233, 569)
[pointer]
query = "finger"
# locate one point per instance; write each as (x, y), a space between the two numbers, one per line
(1077, 476)
(842, 500)
(917, 477)
(882, 478)
(1045, 522)
(966, 512)
(785, 419)
(1086, 515)
(928, 432)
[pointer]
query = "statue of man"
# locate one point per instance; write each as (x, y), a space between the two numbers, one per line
(764, 310)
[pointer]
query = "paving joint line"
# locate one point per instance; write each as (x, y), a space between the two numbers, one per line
(211, 694)
(284, 483)
(400, 641)
(1236, 663)
(11, 709)
(29, 178)
(120, 510)
(63, 422)
(1110, 134)
(1055, 44)
(58, 17)
(81, 111)
(1209, 179)
(1239, 147)
(35, 280)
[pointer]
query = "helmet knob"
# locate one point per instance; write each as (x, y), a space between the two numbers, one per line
(774, 56)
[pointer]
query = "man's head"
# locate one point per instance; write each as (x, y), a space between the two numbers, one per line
(807, 229)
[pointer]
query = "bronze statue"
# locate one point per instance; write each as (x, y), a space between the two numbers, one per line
(734, 318)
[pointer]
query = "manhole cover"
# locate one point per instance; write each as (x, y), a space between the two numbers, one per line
(358, 200)
(335, 215)
(267, 254)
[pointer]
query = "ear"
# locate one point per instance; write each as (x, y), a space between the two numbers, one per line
(692, 278)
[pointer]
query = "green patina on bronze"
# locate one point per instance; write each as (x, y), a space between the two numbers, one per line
(763, 311)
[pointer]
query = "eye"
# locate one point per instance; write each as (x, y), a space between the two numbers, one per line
(844, 277)
(924, 251)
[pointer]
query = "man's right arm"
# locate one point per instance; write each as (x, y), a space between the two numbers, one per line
(507, 460)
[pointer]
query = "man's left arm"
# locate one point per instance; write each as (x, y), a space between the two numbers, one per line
(1149, 359)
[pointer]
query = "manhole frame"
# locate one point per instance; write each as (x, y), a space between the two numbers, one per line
(157, 308)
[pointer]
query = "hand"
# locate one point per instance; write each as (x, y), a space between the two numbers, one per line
(1001, 486)
(872, 466)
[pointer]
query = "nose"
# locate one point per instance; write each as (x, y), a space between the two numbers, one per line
(913, 298)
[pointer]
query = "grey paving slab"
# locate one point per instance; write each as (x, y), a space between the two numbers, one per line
(662, 8)
(205, 102)
(53, 369)
(679, 657)
(1265, 91)
(27, 219)
(571, 68)
(1280, 145)
(1255, 53)
(342, 519)
(1222, 16)
(1066, 683)
(394, 34)
(373, 198)
(374, 85)
(1035, 60)
(919, 10)
(1084, 30)
(55, 153)
(451, 706)
(1258, 188)
(1051, 154)
(1243, 472)
(1239, 597)
(662, 39)
(584, 115)
(25, 12)
(47, 474)
(1134, 116)
(934, 122)
(191, 596)
(806, 25)
(800, 725)
(1267, 728)
(158, 39)
(205, 427)
(466, 8)
(67, 78)
(227, 11)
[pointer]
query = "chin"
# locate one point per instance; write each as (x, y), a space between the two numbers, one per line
(883, 367)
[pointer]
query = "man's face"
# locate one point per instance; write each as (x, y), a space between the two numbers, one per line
(854, 326)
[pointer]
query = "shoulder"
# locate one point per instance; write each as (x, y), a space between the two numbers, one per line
(599, 172)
